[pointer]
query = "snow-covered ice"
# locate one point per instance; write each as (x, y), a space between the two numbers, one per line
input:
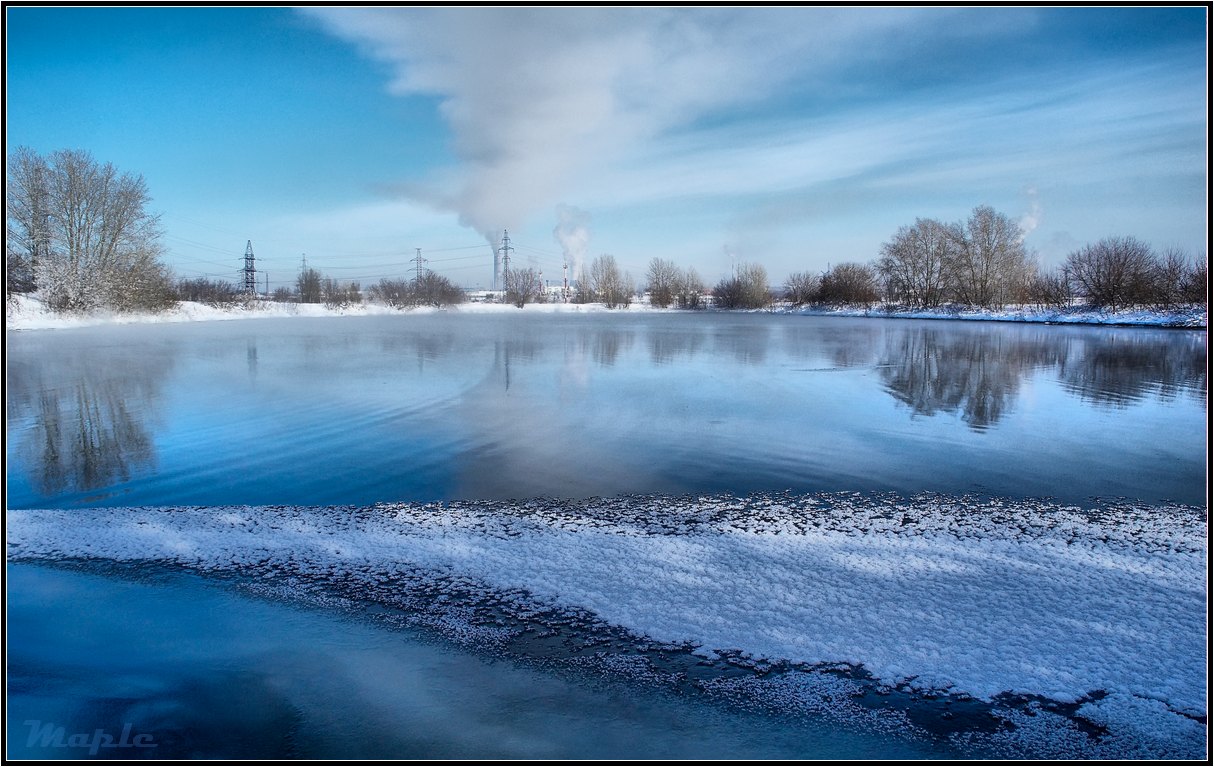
(1101, 607)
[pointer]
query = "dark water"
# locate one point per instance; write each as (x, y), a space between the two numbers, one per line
(205, 673)
(429, 407)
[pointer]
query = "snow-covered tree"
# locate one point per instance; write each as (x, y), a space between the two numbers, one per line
(85, 232)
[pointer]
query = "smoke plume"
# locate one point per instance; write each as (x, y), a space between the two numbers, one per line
(1031, 220)
(573, 233)
(538, 97)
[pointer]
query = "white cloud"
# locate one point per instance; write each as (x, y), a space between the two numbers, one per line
(637, 110)
(536, 97)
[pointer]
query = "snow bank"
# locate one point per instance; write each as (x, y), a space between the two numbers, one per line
(1188, 317)
(27, 313)
(971, 597)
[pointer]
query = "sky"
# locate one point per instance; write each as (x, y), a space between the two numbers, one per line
(795, 138)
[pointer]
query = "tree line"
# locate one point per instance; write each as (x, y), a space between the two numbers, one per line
(981, 262)
(79, 233)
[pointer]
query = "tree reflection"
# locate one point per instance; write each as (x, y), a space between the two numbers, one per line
(606, 345)
(88, 410)
(845, 344)
(1119, 371)
(746, 343)
(667, 344)
(977, 374)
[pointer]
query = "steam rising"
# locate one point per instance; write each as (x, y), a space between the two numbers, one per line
(1031, 220)
(573, 233)
(536, 97)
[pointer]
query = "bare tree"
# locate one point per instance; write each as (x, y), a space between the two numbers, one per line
(338, 295)
(307, 285)
(27, 218)
(802, 288)
(583, 288)
(1194, 289)
(690, 291)
(523, 286)
(662, 281)
(1114, 273)
(1174, 279)
(397, 294)
(912, 264)
(989, 263)
(1051, 288)
(609, 285)
(210, 292)
(849, 283)
(84, 234)
(434, 289)
(747, 289)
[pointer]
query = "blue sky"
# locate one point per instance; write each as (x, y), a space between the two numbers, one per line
(790, 137)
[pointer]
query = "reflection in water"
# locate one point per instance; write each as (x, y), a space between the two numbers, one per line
(91, 416)
(1119, 371)
(977, 374)
(421, 408)
(423, 347)
(747, 343)
(665, 345)
(855, 348)
(251, 358)
(605, 345)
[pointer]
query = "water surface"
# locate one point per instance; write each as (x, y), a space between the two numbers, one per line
(206, 673)
(432, 407)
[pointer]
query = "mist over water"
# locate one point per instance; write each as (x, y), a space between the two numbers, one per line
(450, 406)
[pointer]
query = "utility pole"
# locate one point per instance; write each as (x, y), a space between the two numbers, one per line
(250, 272)
(505, 251)
(417, 279)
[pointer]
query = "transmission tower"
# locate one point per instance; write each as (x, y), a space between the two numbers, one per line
(505, 251)
(417, 279)
(250, 271)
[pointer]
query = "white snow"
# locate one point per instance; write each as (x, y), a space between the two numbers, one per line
(28, 313)
(1185, 317)
(972, 597)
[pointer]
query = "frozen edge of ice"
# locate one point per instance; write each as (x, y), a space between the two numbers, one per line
(672, 569)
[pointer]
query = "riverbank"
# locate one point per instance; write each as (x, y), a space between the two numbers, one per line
(27, 313)
(1185, 317)
(1079, 628)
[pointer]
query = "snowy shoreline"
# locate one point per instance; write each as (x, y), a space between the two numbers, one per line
(1103, 608)
(24, 313)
